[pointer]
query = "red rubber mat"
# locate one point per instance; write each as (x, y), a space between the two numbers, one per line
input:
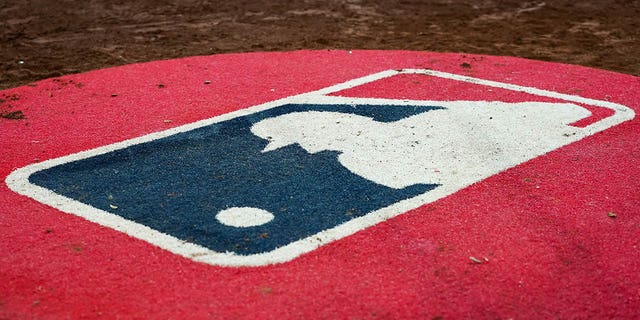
(337, 184)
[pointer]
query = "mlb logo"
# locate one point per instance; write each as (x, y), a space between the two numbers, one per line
(266, 184)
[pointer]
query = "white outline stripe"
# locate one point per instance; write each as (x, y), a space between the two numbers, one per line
(18, 180)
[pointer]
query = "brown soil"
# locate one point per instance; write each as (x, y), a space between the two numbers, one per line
(44, 38)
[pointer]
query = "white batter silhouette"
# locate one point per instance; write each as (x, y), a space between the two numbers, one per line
(468, 138)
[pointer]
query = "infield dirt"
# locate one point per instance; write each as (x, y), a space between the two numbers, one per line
(43, 39)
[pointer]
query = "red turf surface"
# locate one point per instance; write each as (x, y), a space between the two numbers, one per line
(553, 250)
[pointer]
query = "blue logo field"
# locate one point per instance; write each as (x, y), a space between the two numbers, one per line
(179, 184)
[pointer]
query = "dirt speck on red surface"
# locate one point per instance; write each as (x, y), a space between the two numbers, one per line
(42, 38)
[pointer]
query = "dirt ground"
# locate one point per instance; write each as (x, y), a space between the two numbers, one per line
(45, 38)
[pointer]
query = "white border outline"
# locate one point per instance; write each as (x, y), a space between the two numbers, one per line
(18, 180)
